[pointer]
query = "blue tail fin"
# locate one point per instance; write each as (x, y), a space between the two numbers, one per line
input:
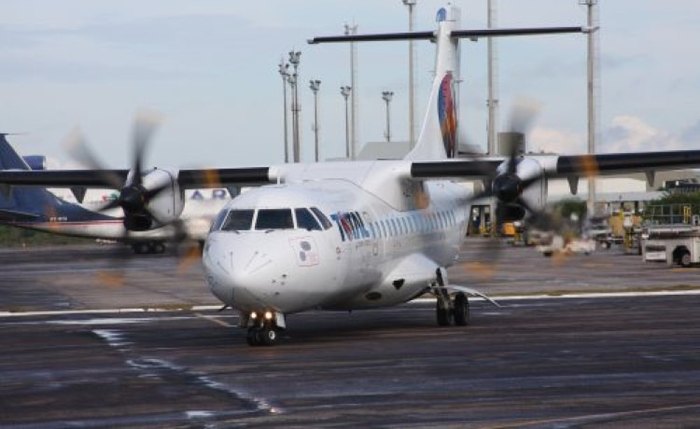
(9, 159)
(19, 201)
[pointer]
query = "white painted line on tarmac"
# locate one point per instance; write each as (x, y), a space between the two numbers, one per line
(214, 320)
(636, 294)
(198, 308)
(109, 311)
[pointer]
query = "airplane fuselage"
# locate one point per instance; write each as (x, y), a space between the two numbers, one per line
(364, 251)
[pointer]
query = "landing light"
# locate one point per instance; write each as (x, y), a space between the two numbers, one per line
(268, 315)
(253, 315)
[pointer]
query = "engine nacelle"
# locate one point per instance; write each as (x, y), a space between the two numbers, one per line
(167, 205)
(511, 187)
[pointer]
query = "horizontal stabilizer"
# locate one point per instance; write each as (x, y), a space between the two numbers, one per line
(427, 35)
(16, 216)
(416, 35)
(498, 32)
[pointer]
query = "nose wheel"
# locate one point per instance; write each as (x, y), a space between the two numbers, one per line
(262, 336)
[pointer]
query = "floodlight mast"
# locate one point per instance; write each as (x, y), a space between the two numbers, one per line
(386, 96)
(592, 86)
(315, 85)
(345, 92)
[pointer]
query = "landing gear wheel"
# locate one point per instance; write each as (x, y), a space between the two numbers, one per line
(141, 248)
(158, 248)
(684, 260)
(443, 313)
(268, 336)
(461, 309)
(252, 338)
(262, 336)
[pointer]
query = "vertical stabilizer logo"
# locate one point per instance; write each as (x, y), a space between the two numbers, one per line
(447, 116)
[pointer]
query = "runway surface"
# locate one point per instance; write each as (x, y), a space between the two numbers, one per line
(586, 362)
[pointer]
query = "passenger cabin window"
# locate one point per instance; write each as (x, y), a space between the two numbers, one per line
(305, 220)
(238, 220)
(274, 219)
(322, 218)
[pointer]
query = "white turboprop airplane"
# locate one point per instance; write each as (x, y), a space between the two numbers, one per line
(356, 235)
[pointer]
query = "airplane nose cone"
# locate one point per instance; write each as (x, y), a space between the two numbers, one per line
(250, 273)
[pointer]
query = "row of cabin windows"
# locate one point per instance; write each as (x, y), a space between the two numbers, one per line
(266, 219)
(412, 224)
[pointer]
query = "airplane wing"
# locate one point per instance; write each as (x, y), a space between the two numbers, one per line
(565, 166)
(188, 178)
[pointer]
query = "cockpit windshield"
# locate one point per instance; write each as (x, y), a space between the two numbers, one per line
(274, 219)
(238, 220)
(310, 219)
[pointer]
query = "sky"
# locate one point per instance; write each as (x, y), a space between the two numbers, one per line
(209, 68)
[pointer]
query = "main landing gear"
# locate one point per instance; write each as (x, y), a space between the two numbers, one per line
(148, 247)
(448, 310)
(264, 331)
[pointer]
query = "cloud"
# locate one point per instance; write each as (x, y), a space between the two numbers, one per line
(632, 134)
(625, 133)
(549, 140)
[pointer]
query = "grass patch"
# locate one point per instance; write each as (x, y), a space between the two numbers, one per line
(19, 237)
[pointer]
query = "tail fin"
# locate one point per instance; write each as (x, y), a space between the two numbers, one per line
(9, 159)
(438, 135)
(20, 200)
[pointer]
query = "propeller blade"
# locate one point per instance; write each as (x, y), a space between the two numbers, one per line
(522, 116)
(145, 126)
(78, 149)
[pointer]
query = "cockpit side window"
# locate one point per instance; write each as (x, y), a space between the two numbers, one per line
(218, 220)
(274, 219)
(238, 220)
(305, 220)
(322, 218)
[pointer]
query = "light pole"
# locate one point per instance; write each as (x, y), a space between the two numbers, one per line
(294, 57)
(352, 29)
(411, 128)
(283, 70)
(592, 65)
(345, 92)
(386, 96)
(315, 85)
(492, 70)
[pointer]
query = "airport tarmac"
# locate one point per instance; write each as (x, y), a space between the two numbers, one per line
(535, 362)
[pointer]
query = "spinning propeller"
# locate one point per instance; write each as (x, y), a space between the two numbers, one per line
(507, 184)
(140, 189)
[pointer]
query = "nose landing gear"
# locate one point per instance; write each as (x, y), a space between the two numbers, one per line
(264, 330)
(265, 335)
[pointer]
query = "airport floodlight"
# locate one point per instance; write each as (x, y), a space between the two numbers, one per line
(345, 92)
(315, 85)
(283, 69)
(386, 96)
(294, 58)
